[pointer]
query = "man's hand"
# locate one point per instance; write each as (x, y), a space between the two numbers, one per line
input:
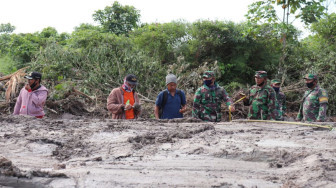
(137, 106)
(183, 109)
(27, 87)
(243, 97)
(232, 108)
(128, 107)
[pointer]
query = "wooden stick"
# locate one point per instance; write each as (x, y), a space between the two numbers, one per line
(81, 93)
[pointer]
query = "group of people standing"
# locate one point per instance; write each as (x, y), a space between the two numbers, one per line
(266, 102)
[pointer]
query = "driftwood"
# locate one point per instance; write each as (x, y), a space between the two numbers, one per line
(13, 82)
(145, 99)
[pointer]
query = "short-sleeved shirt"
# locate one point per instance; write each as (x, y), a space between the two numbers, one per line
(173, 105)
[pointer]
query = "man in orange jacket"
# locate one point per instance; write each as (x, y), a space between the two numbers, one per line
(123, 102)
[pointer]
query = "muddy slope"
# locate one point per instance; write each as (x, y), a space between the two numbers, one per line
(79, 152)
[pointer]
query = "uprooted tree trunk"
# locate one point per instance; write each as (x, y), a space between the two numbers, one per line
(13, 83)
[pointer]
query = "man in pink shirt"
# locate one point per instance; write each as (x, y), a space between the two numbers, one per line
(32, 97)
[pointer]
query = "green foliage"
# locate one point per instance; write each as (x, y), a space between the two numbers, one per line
(5, 43)
(236, 54)
(264, 11)
(7, 65)
(234, 86)
(100, 67)
(23, 47)
(261, 12)
(61, 90)
(311, 12)
(117, 19)
(6, 28)
(326, 28)
(161, 40)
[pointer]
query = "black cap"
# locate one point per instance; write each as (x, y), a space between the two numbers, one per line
(131, 78)
(34, 75)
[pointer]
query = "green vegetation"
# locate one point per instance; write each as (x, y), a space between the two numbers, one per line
(95, 59)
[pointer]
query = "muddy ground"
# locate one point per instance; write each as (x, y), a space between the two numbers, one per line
(84, 152)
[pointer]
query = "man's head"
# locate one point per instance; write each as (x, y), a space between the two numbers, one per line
(311, 80)
(34, 79)
(209, 78)
(171, 82)
(275, 83)
(131, 80)
(260, 77)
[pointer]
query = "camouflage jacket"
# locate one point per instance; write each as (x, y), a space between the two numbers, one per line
(314, 105)
(207, 103)
(281, 107)
(262, 102)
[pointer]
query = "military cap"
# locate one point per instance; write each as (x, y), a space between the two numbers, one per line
(260, 74)
(208, 74)
(275, 81)
(310, 77)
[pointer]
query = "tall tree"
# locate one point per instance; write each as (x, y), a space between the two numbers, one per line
(117, 19)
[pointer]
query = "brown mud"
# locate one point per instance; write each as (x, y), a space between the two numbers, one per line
(85, 152)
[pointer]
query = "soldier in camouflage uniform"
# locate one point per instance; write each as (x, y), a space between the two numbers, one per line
(261, 99)
(281, 99)
(314, 102)
(208, 99)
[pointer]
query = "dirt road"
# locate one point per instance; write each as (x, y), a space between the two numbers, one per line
(79, 152)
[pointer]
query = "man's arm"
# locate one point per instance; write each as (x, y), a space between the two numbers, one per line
(322, 112)
(323, 101)
(246, 100)
(272, 105)
(226, 98)
(18, 104)
(197, 104)
(300, 114)
(183, 103)
(156, 112)
(113, 105)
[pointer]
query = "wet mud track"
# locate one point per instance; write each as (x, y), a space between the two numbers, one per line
(81, 152)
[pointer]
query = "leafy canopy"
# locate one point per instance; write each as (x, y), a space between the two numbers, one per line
(117, 19)
(6, 28)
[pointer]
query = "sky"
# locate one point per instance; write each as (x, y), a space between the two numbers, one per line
(29, 16)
